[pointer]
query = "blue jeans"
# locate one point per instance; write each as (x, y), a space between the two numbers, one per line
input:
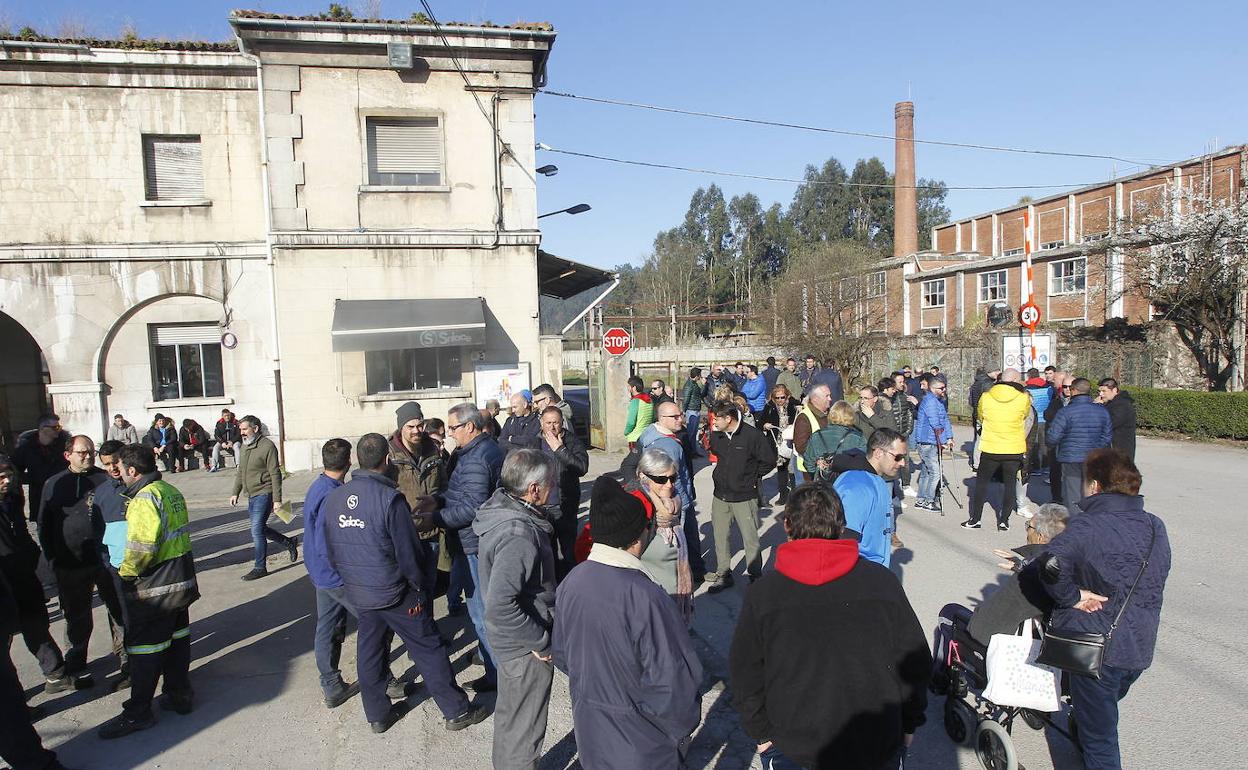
(260, 508)
(331, 630)
(458, 582)
(476, 612)
(929, 472)
(1096, 712)
(691, 425)
(772, 759)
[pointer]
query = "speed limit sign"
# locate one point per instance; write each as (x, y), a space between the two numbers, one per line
(1029, 315)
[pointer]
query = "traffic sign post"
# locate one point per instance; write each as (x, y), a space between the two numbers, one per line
(617, 341)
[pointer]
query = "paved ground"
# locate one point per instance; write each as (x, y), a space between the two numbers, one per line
(258, 702)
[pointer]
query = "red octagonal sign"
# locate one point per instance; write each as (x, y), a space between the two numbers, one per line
(617, 341)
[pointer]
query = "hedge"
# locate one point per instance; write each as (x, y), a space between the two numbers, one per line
(1194, 413)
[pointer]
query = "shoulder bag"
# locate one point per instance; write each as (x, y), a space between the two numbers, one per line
(1083, 652)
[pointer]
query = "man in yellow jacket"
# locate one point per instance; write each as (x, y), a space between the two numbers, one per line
(158, 585)
(1003, 413)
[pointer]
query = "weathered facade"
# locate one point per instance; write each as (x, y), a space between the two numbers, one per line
(182, 231)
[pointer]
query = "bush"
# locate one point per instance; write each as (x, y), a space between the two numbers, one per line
(1194, 413)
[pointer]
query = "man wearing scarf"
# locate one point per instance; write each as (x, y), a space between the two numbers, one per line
(632, 671)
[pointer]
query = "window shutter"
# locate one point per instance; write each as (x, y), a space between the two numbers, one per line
(173, 167)
(404, 146)
(185, 334)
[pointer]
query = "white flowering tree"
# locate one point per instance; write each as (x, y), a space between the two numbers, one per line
(1191, 262)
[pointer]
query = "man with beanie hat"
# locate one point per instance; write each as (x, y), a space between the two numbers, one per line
(632, 671)
(419, 468)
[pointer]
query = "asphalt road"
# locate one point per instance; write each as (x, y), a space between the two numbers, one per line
(258, 703)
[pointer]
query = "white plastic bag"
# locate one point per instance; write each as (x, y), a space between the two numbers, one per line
(1014, 677)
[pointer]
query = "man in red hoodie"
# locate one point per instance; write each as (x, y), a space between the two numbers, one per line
(828, 615)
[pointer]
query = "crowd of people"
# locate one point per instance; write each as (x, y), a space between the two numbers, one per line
(489, 515)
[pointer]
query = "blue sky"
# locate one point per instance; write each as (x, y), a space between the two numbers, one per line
(1146, 80)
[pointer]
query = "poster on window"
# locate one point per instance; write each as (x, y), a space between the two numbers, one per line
(1016, 353)
(500, 381)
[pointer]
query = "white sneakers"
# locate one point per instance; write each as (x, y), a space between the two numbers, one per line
(909, 492)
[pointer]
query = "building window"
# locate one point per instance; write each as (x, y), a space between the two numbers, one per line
(934, 293)
(847, 289)
(186, 361)
(1012, 253)
(1068, 276)
(1052, 245)
(876, 284)
(173, 167)
(388, 371)
(993, 286)
(404, 152)
(1093, 237)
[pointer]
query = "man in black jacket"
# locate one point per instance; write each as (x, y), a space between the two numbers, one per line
(20, 746)
(371, 541)
(522, 429)
(19, 558)
(39, 455)
(572, 460)
(828, 615)
(744, 456)
(1121, 415)
(226, 436)
(70, 531)
(1061, 395)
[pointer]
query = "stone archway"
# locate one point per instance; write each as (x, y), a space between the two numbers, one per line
(23, 380)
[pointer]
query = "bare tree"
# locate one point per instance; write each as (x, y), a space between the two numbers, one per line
(1188, 255)
(72, 26)
(826, 304)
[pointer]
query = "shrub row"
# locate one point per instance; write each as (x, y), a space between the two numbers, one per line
(1194, 413)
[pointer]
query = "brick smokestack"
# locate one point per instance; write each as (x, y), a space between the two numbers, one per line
(905, 199)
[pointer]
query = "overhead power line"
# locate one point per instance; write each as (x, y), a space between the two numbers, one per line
(842, 132)
(740, 175)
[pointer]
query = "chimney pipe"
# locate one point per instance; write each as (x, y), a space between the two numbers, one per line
(905, 197)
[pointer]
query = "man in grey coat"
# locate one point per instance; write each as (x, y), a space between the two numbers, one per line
(517, 568)
(632, 671)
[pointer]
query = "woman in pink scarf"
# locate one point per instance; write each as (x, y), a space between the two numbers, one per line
(667, 557)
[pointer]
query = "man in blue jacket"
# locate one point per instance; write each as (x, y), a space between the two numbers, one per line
(932, 429)
(866, 493)
(332, 607)
(1081, 426)
(474, 471)
(755, 391)
(371, 542)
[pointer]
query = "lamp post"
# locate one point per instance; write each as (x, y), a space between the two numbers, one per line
(579, 208)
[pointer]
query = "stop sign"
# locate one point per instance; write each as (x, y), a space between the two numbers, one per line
(617, 341)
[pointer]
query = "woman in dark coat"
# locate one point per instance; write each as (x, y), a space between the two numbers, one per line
(1098, 558)
(776, 419)
(193, 440)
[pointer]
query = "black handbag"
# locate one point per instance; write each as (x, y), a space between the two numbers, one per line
(1083, 652)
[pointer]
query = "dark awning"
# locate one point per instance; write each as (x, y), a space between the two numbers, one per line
(398, 324)
(563, 278)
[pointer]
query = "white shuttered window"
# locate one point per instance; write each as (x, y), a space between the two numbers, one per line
(186, 361)
(173, 168)
(404, 151)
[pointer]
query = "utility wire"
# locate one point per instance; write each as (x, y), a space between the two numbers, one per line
(740, 175)
(843, 132)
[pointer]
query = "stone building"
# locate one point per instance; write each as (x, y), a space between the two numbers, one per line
(312, 224)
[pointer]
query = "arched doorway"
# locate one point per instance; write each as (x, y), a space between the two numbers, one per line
(24, 381)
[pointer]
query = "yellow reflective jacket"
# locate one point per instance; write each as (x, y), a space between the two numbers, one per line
(158, 569)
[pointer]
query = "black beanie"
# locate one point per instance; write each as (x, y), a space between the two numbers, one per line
(408, 412)
(616, 518)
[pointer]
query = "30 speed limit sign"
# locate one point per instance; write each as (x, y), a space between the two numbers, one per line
(1029, 315)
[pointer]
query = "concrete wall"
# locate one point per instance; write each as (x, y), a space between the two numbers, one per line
(247, 370)
(325, 392)
(73, 151)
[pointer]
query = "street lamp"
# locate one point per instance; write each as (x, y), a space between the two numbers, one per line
(548, 170)
(579, 208)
